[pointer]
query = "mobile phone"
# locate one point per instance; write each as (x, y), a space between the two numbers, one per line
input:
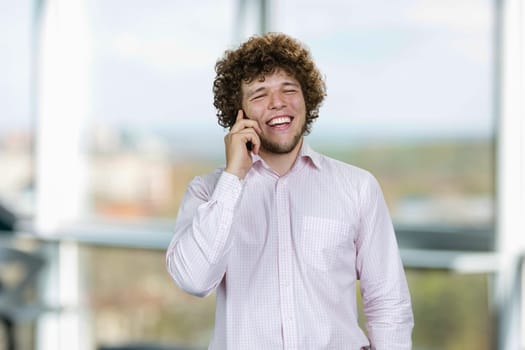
(249, 144)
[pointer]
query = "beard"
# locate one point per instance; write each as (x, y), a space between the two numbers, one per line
(279, 148)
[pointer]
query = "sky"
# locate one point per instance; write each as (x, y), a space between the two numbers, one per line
(404, 68)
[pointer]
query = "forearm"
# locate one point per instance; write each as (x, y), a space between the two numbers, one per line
(198, 253)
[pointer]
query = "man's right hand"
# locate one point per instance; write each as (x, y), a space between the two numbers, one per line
(238, 158)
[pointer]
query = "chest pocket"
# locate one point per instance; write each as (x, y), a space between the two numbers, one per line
(326, 244)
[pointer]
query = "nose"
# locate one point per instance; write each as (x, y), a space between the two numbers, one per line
(276, 101)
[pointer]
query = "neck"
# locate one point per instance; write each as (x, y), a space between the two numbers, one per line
(281, 163)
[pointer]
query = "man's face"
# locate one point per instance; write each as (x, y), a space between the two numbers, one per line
(277, 103)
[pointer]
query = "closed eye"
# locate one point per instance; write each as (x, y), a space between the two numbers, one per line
(257, 97)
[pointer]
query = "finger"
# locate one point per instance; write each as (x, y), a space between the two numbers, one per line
(250, 135)
(238, 121)
(256, 144)
(240, 115)
(244, 123)
(251, 122)
(255, 147)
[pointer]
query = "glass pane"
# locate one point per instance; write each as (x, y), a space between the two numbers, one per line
(451, 311)
(135, 301)
(410, 98)
(153, 124)
(16, 125)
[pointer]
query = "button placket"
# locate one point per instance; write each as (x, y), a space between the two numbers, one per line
(285, 266)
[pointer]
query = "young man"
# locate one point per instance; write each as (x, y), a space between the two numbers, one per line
(283, 233)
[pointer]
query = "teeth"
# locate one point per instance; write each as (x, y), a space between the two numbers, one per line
(279, 120)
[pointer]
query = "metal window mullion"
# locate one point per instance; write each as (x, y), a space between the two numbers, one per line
(61, 108)
(510, 173)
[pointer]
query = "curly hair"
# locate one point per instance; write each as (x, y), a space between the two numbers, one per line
(255, 59)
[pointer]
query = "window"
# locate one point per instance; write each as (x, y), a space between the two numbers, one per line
(153, 125)
(410, 98)
(16, 124)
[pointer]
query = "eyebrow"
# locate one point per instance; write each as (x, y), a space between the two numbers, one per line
(250, 93)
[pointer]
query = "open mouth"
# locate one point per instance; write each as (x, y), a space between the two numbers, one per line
(279, 121)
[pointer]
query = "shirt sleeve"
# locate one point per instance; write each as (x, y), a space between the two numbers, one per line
(386, 298)
(197, 254)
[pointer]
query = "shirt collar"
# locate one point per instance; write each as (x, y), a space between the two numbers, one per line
(306, 152)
